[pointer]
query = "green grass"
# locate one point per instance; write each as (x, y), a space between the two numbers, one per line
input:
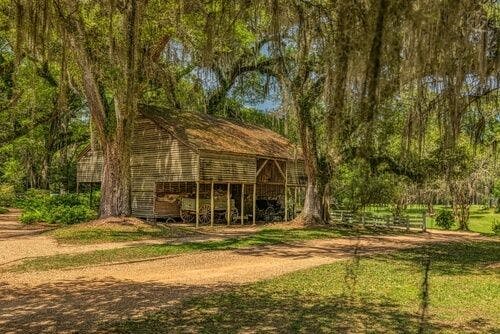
(481, 219)
(261, 238)
(3, 210)
(380, 294)
(85, 234)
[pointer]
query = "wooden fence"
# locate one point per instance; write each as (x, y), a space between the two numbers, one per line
(369, 219)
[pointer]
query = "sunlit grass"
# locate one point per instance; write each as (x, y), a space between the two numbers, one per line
(379, 294)
(260, 238)
(85, 234)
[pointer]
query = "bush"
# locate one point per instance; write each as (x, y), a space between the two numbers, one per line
(3, 210)
(445, 219)
(496, 227)
(41, 207)
(7, 195)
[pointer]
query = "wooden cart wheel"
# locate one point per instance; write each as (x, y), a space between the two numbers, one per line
(169, 220)
(269, 214)
(187, 217)
(234, 215)
(205, 214)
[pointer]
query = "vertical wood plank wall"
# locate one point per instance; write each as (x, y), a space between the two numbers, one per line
(89, 167)
(157, 157)
(296, 175)
(227, 168)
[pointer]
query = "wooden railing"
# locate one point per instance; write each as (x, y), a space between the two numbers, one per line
(369, 219)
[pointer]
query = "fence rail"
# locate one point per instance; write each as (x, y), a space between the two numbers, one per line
(369, 219)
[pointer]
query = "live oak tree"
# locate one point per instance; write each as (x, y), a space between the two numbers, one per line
(394, 87)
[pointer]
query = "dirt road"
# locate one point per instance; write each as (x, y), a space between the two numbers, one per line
(79, 300)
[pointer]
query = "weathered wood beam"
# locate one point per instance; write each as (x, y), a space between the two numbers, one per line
(212, 204)
(242, 203)
(261, 168)
(197, 204)
(279, 169)
(254, 200)
(228, 207)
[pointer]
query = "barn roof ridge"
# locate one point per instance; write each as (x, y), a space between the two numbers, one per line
(205, 132)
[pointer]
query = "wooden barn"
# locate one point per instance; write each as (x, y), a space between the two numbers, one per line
(203, 169)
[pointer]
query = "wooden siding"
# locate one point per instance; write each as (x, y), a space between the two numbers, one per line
(296, 173)
(89, 167)
(157, 157)
(270, 173)
(227, 168)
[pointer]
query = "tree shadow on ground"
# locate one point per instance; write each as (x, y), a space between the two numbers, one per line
(255, 311)
(259, 308)
(454, 258)
(84, 305)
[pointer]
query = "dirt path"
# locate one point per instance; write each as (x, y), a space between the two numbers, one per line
(10, 227)
(79, 300)
(19, 241)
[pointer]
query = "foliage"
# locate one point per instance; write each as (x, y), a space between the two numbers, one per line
(445, 219)
(41, 207)
(7, 195)
(3, 210)
(388, 99)
(495, 226)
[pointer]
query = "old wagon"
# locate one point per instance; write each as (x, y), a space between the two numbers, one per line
(221, 212)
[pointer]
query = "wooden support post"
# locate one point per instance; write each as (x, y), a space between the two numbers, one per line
(197, 204)
(212, 204)
(254, 200)
(78, 187)
(242, 203)
(228, 207)
(424, 222)
(286, 196)
(295, 202)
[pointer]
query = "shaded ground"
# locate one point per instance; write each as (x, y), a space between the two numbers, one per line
(437, 288)
(80, 300)
(10, 226)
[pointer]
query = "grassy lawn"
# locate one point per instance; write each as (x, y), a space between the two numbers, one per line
(84, 234)
(481, 219)
(441, 288)
(260, 238)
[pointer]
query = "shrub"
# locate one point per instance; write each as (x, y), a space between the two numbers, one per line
(30, 217)
(3, 210)
(71, 215)
(7, 195)
(41, 207)
(445, 219)
(496, 226)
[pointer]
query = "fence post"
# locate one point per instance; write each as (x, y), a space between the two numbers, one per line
(424, 222)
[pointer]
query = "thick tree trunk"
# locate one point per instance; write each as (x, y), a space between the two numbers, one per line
(313, 211)
(115, 184)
